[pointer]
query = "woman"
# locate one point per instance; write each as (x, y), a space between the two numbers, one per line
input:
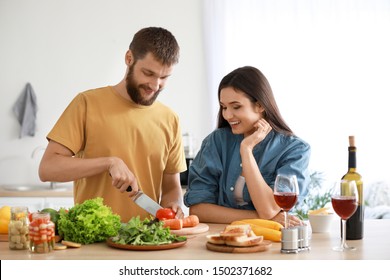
(232, 176)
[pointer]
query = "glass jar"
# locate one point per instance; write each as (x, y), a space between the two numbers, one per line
(18, 227)
(42, 233)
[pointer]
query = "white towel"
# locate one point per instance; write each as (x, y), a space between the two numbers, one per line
(25, 109)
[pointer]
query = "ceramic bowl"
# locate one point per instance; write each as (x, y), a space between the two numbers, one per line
(321, 222)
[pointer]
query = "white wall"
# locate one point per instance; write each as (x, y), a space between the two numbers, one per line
(65, 47)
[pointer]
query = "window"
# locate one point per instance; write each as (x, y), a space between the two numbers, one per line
(328, 63)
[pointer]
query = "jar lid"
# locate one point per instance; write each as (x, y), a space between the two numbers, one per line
(16, 209)
(43, 216)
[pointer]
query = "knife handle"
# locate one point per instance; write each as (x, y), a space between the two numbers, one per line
(129, 188)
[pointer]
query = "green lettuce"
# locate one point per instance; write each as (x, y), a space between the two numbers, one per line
(88, 222)
(145, 232)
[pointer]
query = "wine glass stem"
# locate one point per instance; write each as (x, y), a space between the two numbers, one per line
(285, 219)
(343, 233)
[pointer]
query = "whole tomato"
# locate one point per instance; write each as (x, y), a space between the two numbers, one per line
(165, 214)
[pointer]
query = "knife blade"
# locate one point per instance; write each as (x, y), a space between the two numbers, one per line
(145, 202)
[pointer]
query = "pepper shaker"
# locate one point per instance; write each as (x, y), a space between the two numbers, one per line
(303, 238)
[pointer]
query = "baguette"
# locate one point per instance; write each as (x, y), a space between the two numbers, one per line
(264, 223)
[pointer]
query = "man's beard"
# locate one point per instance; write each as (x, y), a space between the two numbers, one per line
(133, 89)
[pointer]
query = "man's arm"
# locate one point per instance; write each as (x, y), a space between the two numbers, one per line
(58, 164)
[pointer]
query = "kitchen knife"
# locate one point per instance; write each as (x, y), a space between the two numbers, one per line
(145, 202)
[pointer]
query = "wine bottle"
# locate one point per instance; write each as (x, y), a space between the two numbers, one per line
(355, 224)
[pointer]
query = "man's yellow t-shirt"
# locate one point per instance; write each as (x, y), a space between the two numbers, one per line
(101, 123)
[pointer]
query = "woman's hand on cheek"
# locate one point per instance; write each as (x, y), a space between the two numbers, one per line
(261, 129)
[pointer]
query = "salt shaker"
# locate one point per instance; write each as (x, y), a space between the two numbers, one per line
(289, 240)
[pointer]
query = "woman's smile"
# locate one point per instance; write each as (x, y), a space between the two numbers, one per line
(238, 110)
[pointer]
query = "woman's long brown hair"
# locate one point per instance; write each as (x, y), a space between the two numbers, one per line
(255, 85)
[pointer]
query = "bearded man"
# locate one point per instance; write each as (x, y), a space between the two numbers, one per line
(113, 137)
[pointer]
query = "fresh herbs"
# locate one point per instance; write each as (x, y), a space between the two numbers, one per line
(88, 222)
(146, 232)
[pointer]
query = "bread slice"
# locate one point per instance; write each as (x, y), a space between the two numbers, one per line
(243, 241)
(215, 239)
(236, 230)
(71, 244)
(252, 233)
(236, 235)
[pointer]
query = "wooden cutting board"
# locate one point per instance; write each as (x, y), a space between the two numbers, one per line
(200, 228)
(263, 246)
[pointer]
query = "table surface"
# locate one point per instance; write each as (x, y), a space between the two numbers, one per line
(374, 246)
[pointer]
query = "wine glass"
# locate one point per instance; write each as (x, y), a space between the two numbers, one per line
(286, 193)
(345, 202)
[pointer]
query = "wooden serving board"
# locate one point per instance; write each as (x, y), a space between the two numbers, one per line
(263, 246)
(200, 228)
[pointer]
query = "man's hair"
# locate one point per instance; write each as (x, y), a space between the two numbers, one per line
(158, 41)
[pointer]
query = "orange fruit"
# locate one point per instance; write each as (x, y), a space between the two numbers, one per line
(5, 217)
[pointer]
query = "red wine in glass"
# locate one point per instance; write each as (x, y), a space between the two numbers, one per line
(345, 202)
(286, 192)
(344, 206)
(285, 200)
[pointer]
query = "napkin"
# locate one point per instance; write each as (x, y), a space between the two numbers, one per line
(25, 109)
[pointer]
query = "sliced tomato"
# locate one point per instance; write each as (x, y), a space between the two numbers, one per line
(165, 214)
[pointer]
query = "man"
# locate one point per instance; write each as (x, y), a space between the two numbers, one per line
(118, 136)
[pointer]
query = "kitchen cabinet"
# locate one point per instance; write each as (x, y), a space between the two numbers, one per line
(37, 199)
(58, 202)
(38, 203)
(33, 203)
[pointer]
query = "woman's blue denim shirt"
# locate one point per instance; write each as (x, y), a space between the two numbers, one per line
(214, 171)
